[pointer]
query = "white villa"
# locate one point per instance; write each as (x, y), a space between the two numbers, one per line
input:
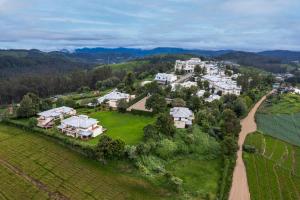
(81, 126)
(114, 97)
(189, 65)
(46, 119)
(187, 84)
(224, 84)
(165, 78)
(182, 116)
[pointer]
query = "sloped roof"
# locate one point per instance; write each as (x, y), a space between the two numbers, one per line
(55, 112)
(81, 121)
(114, 95)
(182, 112)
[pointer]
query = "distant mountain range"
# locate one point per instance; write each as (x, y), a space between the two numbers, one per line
(18, 62)
(283, 55)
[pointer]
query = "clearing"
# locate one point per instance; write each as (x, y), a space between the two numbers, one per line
(124, 126)
(29, 162)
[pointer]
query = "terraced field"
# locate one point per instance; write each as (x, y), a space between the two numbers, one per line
(274, 170)
(33, 167)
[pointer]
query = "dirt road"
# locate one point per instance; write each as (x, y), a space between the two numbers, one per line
(239, 188)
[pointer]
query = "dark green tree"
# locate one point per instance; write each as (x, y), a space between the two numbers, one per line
(165, 124)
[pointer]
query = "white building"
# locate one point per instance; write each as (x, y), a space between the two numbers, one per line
(46, 119)
(189, 65)
(182, 116)
(200, 93)
(224, 84)
(114, 97)
(165, 78)
(187, 84)
(81, 126)
(212, 97)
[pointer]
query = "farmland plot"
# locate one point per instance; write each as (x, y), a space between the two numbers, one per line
(282, 126)
(273, 171)
(61, 171)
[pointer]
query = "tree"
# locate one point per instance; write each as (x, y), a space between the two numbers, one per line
(165, 124)
(195, 103)
(122, 105)
(45, 105)
(178, 102)
(206, 85)
(70, 103)
(240, 107)
(129, 80)
(150, 131)
(27, 107)
(230, 123)
(157, 103)
(107, 148)
(197, 70)
(229, 146)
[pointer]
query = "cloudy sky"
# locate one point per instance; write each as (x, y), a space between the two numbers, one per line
(203, 24)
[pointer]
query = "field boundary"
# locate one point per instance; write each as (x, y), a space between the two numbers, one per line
(41, 186)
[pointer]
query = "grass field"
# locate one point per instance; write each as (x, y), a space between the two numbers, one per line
(274, 171)
(282, 126)
(125, 126)
(199, 176)
(128, 65)
(287, 104)
(61, 171)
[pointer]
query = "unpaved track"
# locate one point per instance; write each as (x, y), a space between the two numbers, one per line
(239, 188)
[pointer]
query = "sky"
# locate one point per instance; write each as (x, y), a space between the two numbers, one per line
(251, 25)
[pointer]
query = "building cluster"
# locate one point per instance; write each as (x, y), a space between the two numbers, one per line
(164, 78)
(223, 83)
(78, 126)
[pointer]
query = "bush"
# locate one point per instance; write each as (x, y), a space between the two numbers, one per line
(166, 149)
(32, 122)
(249, 148)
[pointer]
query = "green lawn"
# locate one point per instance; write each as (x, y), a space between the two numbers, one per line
(63, 171)
(199, 176)
(124, 126)
(128, 65)
(273, 172)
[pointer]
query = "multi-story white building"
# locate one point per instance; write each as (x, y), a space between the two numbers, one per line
(46, 119)
(164, 78)
(224, 84)
(81, 126)
(189, 65)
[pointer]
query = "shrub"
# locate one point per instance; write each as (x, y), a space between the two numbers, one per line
(166, 149)
(249, 148)
(32, 122)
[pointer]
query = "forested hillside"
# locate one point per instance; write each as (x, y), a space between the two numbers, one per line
(27, 62)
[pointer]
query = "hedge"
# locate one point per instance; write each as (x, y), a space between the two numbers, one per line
(71, 144)
(141, 112)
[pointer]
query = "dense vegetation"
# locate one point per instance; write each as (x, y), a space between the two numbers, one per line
(272, 168)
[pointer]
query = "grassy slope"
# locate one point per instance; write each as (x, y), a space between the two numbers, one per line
(126, 127)
(199, 176)
(128, 65)
(273, 172)
(65, 171)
